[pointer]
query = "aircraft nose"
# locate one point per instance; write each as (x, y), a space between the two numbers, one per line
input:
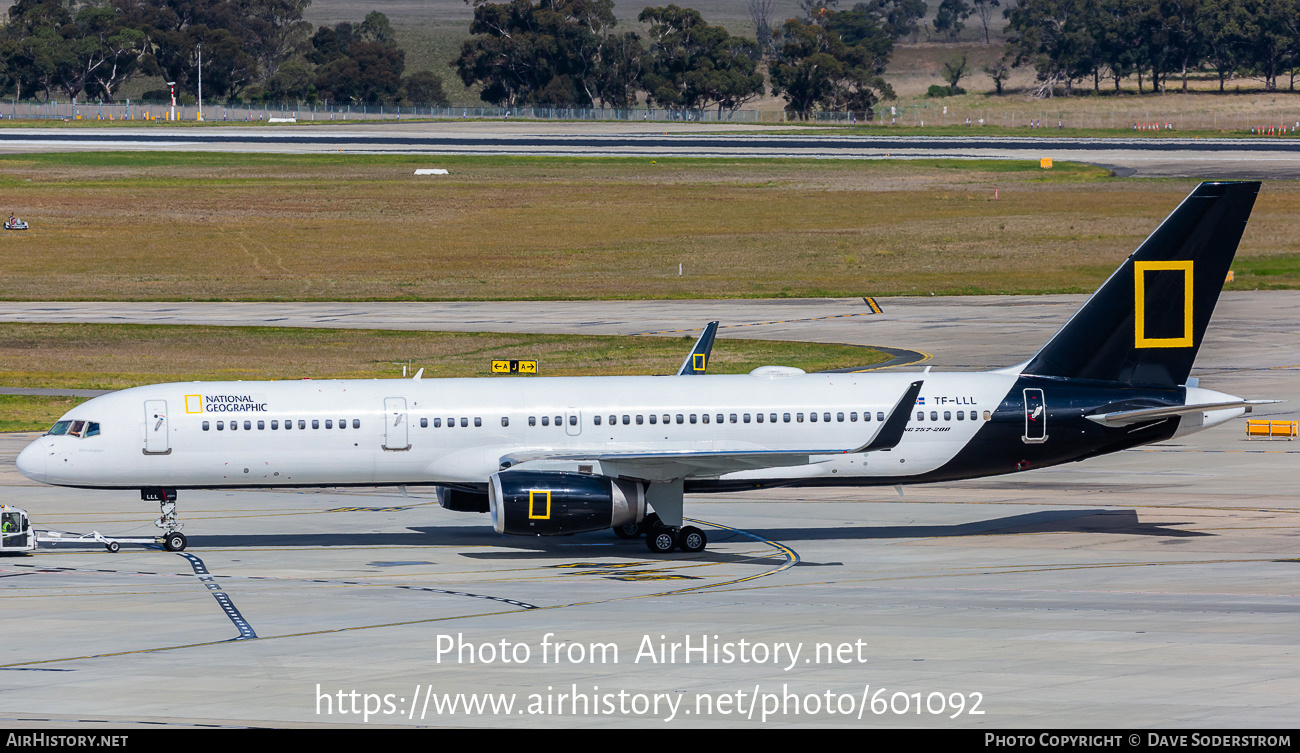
(31, 462)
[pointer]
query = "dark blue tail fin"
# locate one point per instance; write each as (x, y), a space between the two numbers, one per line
(1145, 324)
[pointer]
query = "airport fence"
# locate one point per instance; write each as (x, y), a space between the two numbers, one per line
(925, 114)
(287, 112)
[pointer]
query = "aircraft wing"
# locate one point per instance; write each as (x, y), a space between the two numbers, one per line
(669, 465)
(1127, 417)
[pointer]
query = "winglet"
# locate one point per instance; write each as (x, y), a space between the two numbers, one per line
(698, 359)
(891, 433)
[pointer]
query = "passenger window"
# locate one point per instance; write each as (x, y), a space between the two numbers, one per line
(437, 423)
(559, 420)
(705, 418)
(853, 416)
(771, 417)
(653, 418)
(866, 415)
(934, 415)
(478, 421)
(356, 423)
(596, 420)
(786, 417)
(329, 423)
(505, 421)
(746, 418)
(920, 415)
(798, 417)
(302, 423)
(839, 417)
(464, 422)
(681, 419)
(812, 417)
(692, 418)
(261, 426)
(573, 420)
(961, 415)
(221, 425)
(546, 420)
(424, 423)
(248, 426)
(880, 415)
(987, 415)
(733, 418)
(947, 415)
(668, 419)
(315, 424)
(206, 425)
(234, 426)
(275, 424)
(720, 418)
(640, 419)
(759, 416)
(626, 419)
(287, 425)
(827, 417)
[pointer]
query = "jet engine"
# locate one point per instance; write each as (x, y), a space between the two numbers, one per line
(554, 503)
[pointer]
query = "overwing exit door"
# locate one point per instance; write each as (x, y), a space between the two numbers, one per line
(396, 431)
(1035, 417)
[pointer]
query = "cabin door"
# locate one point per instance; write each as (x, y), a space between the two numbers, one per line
(1035, 417)
(396, 430)
(156, 440)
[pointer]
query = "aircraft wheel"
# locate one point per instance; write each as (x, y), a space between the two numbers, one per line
(661, 540)
(113, 547)
(628, 531)
(692, 539)
(175, 542)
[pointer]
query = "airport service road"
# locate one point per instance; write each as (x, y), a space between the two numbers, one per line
(1182, 157)
(1151, 587)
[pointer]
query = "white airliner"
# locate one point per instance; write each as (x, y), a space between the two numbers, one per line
(552, 456)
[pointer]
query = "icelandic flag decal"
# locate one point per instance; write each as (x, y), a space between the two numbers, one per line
(920, 401)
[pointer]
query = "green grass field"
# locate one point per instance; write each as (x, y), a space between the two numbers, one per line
(190, 226)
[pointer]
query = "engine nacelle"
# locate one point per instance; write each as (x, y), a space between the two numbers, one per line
(553, 503)
(457, 500)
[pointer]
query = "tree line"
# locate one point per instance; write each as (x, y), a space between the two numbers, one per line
(569, 53)
(250, 49)
(1071, 41)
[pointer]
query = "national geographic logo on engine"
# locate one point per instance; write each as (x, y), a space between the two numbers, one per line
(224, 404)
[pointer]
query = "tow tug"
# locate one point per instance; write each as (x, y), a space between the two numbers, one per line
(15, 224)
(18, 537)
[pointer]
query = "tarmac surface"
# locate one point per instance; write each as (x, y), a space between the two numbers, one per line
(1191, 156)
(1151, 588)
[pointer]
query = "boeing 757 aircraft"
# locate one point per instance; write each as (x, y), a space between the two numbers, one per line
(555, 456)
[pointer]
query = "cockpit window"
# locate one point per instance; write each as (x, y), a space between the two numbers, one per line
(92, 429)
(59, 428)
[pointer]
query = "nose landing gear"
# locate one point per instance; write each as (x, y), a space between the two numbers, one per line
(172, 539)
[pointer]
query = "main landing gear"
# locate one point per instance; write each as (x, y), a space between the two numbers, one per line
(172, 539)
(662, 539)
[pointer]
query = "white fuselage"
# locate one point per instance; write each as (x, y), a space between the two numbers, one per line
(461, 431)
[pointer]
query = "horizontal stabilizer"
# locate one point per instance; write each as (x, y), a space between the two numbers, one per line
(1128, 417)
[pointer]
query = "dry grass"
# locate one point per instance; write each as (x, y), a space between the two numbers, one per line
(269, 227)
(116, 356)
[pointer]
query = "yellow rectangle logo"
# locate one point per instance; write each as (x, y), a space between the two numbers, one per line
(1140, 339)
(193, 403)
(534, 497)
(700, 360)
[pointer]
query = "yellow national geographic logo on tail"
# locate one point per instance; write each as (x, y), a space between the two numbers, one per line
(1140, 270)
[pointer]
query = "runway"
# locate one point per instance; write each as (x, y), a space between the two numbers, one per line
(1154, 587)
(1148, 157)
